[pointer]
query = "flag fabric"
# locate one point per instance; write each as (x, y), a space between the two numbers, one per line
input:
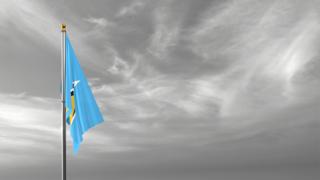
(82, 111)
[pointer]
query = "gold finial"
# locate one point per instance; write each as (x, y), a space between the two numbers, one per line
(63, 27)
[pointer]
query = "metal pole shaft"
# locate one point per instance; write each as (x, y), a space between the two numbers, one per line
(63, 77)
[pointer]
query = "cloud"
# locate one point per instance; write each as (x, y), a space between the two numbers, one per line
(31, 131)
(100, 22)
(131, 9)
(182, 85)
(29, 124)
(260, 51)
(165, 34)
(119, 66)
(40, 24)
(32, 18)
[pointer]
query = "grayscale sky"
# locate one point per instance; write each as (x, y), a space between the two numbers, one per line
(189, 89)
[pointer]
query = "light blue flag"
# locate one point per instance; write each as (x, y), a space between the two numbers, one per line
(82, 110)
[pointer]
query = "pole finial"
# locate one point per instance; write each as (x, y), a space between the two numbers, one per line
(63, 27)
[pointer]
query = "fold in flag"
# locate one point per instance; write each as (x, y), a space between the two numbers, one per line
(82, 111)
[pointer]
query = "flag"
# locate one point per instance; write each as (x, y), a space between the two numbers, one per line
(82, 111)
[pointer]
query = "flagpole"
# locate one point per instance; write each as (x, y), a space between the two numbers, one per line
(63, 77)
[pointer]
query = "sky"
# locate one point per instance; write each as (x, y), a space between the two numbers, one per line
(188, 89)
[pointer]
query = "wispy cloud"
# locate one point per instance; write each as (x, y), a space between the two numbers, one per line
(28, 124)
(165, 33)
(232, 84)
(130, 9)
(33, 19)
(263, 64)
(99, 22)
(31, 127)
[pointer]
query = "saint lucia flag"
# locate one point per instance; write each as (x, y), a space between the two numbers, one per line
(81, 108)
